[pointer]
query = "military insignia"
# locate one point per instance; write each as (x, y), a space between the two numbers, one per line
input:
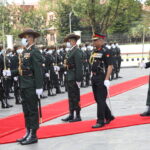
(107, 55)
(98, 55)
(26, 55)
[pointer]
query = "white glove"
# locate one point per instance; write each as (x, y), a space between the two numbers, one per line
(4, 72)
(107, 83)
(78, 84)
(15, 78)
(65, 72)
(39, 92)
(47, 75)
(142, 65)
(56, 68)
(7, 73)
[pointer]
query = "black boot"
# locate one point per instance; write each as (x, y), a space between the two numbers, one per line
(18, 101)
(109, 119)
(3, 105)
(77, 118)
(32, 138)
(98, 125)
(7, 104)
(147, 113)
(70, 117)
(24, 137)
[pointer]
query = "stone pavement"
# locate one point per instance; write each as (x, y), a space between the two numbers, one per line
(129, 138)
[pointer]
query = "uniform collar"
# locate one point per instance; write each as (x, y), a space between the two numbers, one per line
(29, 47)
(73, 47)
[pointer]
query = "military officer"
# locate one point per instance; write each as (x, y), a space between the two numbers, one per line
(74, 76)
(101, 61)
(30, 76)
(147, 113)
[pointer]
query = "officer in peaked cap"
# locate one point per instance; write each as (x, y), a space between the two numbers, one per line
(101, 61)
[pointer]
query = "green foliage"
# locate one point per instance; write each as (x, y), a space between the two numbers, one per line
(63, 10)
(128, 15)
(147, 2)
(17, 18)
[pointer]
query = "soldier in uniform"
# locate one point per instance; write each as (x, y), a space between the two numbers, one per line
(146, 113)
(118, 53)
(74, 77)
(30, 76)
(102, 63)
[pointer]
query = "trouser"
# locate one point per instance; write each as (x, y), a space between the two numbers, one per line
(16, 91)
(100, 95)
(148, 96)
(74, 96)
(30, 108)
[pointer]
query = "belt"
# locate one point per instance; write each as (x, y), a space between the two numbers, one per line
(97, 73)
(27, 73)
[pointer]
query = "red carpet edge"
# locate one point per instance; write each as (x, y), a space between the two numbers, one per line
(58, 109)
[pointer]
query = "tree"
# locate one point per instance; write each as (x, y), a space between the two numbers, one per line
(147, 2)
(63, 10)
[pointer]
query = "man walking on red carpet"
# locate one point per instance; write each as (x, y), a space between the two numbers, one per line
(102, 64)
(147, 113)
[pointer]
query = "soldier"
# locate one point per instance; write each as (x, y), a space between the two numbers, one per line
(14, 66)
(118, 57)
(30, 76)
(147, 113)
(74, 77)
(101, 61)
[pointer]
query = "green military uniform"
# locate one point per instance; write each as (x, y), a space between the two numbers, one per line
(148, 95)
(30, 79)
(147, 113)
(31, 84)
(74, 74)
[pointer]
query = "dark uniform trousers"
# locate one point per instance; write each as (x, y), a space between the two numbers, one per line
(74, 96)
(30, 107)
(100, 95)
(148, 94)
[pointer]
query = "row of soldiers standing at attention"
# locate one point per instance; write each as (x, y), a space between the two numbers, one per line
(54, 73)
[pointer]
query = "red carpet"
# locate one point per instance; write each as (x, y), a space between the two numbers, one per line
(51, 111)
(78, 127)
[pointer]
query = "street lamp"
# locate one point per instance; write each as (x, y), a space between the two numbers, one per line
(70, 14)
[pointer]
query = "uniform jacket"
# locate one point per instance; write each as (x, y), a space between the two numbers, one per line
(32, 62)
(75, 59)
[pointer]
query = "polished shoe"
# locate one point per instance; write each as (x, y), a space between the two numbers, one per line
(147, 113)
(8, 106)
(32, 138)
(98, 125)
(24, 137)
(70, 117)
(76, 119)
(18, 102)
(109, 120)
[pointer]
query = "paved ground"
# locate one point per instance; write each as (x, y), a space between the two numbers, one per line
(130, 138)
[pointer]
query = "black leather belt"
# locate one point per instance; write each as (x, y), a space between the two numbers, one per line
(27, 73)
(97, 73)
